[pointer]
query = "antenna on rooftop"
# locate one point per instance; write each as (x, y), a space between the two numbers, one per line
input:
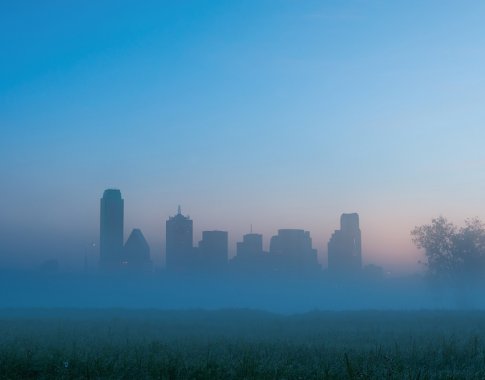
(179, 210)
(251, 228)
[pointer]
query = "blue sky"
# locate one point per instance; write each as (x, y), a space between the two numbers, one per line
(277, 113)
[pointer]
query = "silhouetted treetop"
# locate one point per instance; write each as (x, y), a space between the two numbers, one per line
(452, 251)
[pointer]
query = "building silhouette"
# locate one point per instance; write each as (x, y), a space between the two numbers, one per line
(136, 255)
(250, 257)
(213, 250)
(179, 251)
(291, 251)
(251, 245)
(344, 247)
(111, 229)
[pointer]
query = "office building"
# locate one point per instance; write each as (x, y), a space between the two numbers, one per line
(111, 229)
(250, 257)
(136, 252)
(345, 247)
(179, 252)
(251, 245)
(213, 250)
(292, 251)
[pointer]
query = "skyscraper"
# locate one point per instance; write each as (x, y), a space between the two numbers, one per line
(111, 229)
(251, 245)
(344, 247)
(250, 257)
(213, 250)
(136, 252)
(179, 253)
(292, 251)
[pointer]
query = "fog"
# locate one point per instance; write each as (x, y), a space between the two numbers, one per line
(30, 289)
(196, 269)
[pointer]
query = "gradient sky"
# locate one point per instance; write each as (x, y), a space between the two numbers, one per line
(281, 113)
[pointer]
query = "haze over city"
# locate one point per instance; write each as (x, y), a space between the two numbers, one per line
(275, 114)
(255, 189)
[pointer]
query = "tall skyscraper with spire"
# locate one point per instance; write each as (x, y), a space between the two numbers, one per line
(111, 228)
(179, 252)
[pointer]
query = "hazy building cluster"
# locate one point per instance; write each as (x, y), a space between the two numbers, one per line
(134, 255)
(290, 251)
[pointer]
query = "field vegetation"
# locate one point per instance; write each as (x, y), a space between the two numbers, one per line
(241, 344)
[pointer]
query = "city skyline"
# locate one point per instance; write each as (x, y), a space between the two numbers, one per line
(287, 189)
(91, 247)
(291, 251)
(279, 114)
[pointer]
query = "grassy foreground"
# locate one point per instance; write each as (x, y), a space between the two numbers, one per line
(240, 344)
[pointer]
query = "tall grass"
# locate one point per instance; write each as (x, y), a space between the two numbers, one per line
(241, 345)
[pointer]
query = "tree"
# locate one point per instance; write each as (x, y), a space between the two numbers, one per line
(452, 252)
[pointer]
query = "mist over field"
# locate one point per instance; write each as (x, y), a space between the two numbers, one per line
(281, 295)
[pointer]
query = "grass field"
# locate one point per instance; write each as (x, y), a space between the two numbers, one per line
(241, 344)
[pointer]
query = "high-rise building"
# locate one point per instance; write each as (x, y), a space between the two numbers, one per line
(293, 252)
(179, 253)
(111, 229)
(250, 257)
(345, 247)
(136, 252)
(213, 250)
(251, 245)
